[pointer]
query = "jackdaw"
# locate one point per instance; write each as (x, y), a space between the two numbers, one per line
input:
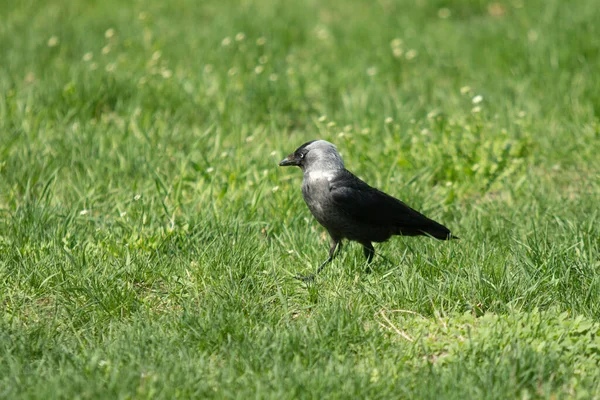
(351, 209)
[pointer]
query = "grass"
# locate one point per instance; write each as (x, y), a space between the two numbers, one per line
(148, 241)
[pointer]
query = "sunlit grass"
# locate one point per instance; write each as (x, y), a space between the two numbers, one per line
(148, 240)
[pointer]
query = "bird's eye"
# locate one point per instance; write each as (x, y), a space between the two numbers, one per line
(301, 155)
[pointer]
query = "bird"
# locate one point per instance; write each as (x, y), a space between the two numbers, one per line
(349, 208)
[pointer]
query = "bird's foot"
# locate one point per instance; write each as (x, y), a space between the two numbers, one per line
(305, 278)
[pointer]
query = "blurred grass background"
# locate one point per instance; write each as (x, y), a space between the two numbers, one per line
(148, 239)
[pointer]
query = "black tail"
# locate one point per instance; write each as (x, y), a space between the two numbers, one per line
(410, 222)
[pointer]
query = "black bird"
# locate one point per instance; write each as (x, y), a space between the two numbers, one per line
(349, 208)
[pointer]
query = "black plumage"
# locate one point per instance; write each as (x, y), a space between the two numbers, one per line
(351, 209)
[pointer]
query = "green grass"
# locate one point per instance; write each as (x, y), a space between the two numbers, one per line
(148, 240)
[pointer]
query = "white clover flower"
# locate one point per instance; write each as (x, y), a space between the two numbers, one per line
(210, 170)
(476, 109)
(88, 56)
(397, 42)
(371, 71)
(259, 69)
(444, 13)
(496, 9)
(263, 59)
(123, 213)
(226, 41)
(110, 67)
(53, 41)
(240, 36)
(477, 99)
(532, 35)
(109, 33)
(465, 89)
(166, 73)
(397, 51)
(273, 77)
(389, 120)
(322, 33)
(275, 188)
(322, 118)
(232, 71)
(106, 49)
(137, 197)
(261, 41)
(412, 53)
(84, 212)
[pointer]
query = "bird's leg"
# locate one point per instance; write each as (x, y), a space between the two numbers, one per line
(369, 252)
(335, 244)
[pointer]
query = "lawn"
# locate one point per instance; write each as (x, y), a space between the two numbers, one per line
(149, 241)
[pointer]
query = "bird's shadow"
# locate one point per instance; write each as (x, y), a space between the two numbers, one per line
(369, 268)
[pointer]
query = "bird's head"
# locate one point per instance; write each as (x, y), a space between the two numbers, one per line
(315, 155)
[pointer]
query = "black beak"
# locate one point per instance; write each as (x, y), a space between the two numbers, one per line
(288, 161)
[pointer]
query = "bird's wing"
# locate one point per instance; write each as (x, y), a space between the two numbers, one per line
(368, 205)
(365, 203)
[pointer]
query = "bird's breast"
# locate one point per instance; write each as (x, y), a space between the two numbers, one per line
(316, 193)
